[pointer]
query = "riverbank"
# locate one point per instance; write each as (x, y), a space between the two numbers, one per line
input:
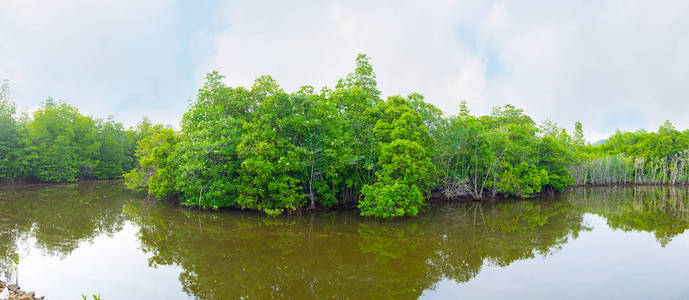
(14, 292)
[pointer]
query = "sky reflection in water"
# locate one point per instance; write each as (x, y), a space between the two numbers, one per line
(589, 243)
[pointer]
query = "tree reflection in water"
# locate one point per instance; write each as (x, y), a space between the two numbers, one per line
(663, 211)
(231, 254)
(58, 217)
(341, 255)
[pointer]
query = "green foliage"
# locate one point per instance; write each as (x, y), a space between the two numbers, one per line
(363, 78)
(578, 134)
(64, 141)
(112, 157)
(291, 152)
(266, 149)
(666, 141)
(12, 162)
(355, 101)
(155, 173)
(269, 159)
(522, 180)
(502, 153)
(556, 152)
(639, 157)
(391, 198)
(405, 172)
(207, 159)
(58, 144)
(469, 156)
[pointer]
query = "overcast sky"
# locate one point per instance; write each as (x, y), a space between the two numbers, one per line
(609, 64)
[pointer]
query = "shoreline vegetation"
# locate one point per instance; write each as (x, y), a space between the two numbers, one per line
(261, 148)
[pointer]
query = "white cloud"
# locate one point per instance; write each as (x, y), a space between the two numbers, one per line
(607, 63)
(414, 47)
(105, 57)
(611, 64)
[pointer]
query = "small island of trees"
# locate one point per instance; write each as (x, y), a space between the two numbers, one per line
(265, 149)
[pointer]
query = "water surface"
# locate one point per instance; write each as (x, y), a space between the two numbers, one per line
(604, 243)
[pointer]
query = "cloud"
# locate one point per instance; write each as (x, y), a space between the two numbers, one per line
(105, 57)
(610, 64)
(414, 47)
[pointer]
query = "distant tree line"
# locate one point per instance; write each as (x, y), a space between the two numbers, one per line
(266, 149)
(640, 157)
(58, 144)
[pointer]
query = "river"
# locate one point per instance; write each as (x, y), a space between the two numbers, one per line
(97, 238)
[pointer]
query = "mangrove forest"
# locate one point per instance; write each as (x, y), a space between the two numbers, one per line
(265, 149)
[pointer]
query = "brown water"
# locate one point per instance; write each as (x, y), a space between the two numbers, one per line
(96, 238)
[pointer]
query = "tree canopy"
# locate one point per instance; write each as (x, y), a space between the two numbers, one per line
(267, 149)
(59, 144)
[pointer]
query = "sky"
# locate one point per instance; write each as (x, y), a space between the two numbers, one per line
(609, 64)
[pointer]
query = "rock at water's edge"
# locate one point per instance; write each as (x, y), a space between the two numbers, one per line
(15, 292)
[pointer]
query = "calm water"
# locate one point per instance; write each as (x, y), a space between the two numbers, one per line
(603, 243)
